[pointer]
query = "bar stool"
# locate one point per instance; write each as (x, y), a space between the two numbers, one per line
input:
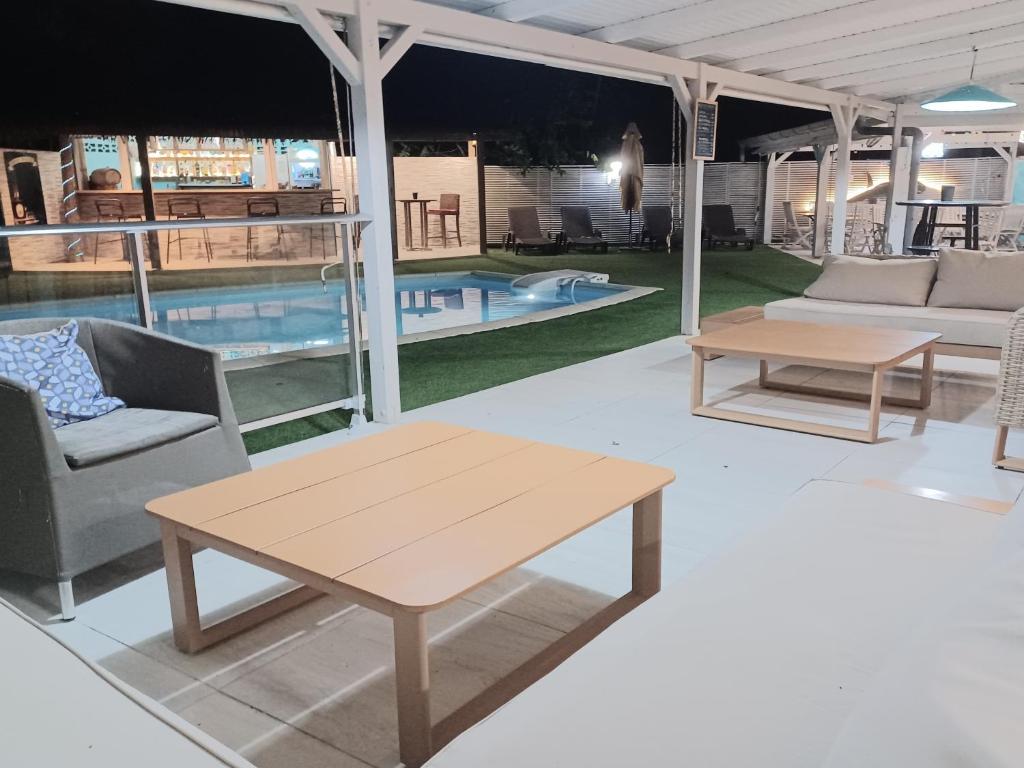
(110, 209)
(183, 209)
(332, 204)
(258, 207)
(447, 206)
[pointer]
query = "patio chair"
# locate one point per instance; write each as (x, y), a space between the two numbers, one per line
(796, 235)
(720, 227)
(578, 230)
(72, 498)
(1010, 392)
(524, 230)
(657, 225)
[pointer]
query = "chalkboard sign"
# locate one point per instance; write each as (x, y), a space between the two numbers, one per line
(705, 124)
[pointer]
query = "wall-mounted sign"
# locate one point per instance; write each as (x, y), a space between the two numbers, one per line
(705, 124)
(25, 187)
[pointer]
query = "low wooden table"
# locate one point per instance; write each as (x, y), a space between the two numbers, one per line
(851, 348)
(405, 522)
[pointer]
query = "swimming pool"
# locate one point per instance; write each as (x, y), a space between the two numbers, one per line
(248, 321)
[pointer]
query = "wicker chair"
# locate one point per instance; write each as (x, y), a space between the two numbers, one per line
(1010, 397)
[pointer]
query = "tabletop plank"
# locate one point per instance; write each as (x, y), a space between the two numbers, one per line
(357, 539)
(205, 502)
(859, 345)
(441, 567)
(260, 525)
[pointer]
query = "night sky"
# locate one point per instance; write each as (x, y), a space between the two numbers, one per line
(138, 66)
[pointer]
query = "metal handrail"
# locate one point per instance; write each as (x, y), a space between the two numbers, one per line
(157, 226)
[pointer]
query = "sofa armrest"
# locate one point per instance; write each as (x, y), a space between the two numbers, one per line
(152, 370)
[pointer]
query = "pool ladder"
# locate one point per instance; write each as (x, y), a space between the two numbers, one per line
(323, 273)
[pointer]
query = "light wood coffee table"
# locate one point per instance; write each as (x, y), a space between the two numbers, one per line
(852, 348)
(405, 522)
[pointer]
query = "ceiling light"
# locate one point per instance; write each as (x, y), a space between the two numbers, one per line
(969, 98)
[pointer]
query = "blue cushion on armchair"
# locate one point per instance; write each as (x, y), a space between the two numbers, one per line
(55, 366)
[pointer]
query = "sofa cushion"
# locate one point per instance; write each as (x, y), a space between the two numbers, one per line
(955, 697)
(979, 280)
(126, 431)
(974, 327)
(54, 365)
(905, 282)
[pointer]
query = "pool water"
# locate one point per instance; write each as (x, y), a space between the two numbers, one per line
(245, 321)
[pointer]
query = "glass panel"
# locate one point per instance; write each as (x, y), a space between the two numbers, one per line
(256, 295)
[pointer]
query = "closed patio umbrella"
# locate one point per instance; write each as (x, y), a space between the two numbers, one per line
(631, 178)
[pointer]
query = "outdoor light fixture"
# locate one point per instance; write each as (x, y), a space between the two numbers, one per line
(934, 150)
(969, 98)
(614, 173)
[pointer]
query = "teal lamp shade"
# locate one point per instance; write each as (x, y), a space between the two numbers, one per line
(968, 98)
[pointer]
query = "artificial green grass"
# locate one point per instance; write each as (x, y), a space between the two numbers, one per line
(432, 371)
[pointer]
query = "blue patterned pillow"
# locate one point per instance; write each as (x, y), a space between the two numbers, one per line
(55, 366)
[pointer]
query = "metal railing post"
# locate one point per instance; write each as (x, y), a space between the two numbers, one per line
(139, 279)
(355, 326)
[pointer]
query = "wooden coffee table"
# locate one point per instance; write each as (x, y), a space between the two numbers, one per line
(405, 522)
(851, 348)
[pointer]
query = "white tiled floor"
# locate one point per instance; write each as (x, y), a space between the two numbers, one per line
(315, 687)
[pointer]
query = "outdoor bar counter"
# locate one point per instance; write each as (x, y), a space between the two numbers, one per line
(215, 203)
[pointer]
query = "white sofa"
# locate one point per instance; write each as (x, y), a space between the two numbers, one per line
(967, 296)
(58, 710)
(778, 654)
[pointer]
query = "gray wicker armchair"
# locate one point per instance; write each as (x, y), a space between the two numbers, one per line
(1010, 396)
(72, 498)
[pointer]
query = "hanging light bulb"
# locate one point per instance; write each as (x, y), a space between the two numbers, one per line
(969, 97)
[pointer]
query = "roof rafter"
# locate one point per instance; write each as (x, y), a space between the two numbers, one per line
(905, 54)
(860, 17)
(520, 10)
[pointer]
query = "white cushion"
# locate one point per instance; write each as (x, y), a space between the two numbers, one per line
(979, 280)
(976, 327)
(756, 658)
(955, 698)
(889, 281)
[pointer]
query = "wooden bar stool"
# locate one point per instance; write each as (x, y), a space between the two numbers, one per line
(256, 207)
(181, 209)
(332, 204)
(110, 209)
(447, 206)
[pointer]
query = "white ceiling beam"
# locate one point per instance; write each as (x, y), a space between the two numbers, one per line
(896, 55)
(326, 37)
(398, 46)
(688, 11)
(859, 17)
(452, 28)
(886, 35)
(521, 10)
(989, 73)
(959, 60)
(915, 117)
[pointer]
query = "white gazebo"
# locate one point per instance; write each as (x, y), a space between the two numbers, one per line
(848, 58)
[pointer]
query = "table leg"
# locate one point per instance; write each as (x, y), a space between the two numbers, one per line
(407, 210)
(973, 219)
(181, 586)
(412, 682)
(927, 371)
(647, 546)
(762, 373)
(697, 379)
(423, 227)
(875, 412)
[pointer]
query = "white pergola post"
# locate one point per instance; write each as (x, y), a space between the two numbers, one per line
(270, 165)
(686, 94)
(894, 155)
(775, 159)
(899, 190)
(823, 155)
(844, 117)
(364, 65)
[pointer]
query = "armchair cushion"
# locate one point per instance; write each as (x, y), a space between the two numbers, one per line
(126, 431)
(53, 364)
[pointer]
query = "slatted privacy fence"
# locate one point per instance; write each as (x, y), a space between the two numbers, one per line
(740, 184)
